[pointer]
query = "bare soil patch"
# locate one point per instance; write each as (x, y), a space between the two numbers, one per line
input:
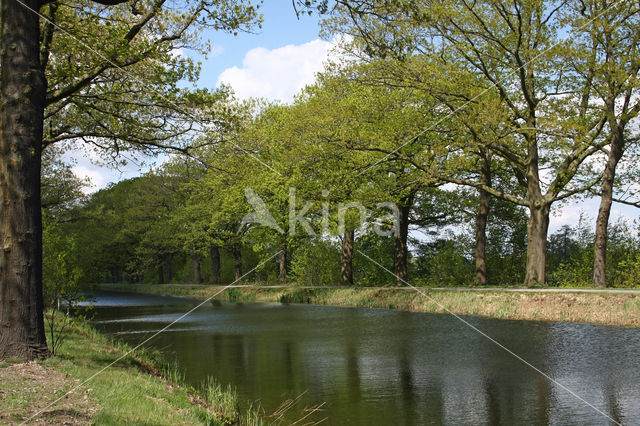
(28, 388)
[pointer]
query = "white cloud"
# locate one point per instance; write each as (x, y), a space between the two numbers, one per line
(96, 178)
(277, 74)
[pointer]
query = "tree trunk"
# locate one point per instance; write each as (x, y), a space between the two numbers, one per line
(602, 222)
(115, 274)
(237, 263)
(197, 278)
(346, 257)
(167, 267)
(400, 243)
(214, 252)
(23, 88)
(481, 223)
(161, 274)
(282, 261)
(537, 244)
(481, 238)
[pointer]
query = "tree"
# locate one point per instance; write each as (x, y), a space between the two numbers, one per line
(211, 216)
(607, 38)
(22, 100)
(366, 121)
(145, 32)
(62, 190)
(110, 228)
(149, 216)
(504, 62)
(62, 197)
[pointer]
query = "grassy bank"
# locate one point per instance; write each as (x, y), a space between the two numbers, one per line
(139, 389)
(596, 308)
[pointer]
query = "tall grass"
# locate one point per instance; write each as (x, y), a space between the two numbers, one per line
(224, 400)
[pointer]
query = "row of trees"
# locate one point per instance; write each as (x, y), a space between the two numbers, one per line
(532, 103)
(295, 179)
(495, 98)
(148, 229)
(546, 90)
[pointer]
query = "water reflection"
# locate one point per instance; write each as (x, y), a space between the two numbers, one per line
(385, 367)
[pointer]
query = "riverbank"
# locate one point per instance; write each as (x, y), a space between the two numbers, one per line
(570, 305)
(139, 389)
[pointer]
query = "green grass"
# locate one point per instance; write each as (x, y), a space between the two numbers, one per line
(126, 392)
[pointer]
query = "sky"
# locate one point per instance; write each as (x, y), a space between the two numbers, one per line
(276, 62)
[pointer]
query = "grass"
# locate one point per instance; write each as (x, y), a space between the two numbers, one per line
(139, 389)
(596, 308)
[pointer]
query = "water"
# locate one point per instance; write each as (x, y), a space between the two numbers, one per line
(372, 366)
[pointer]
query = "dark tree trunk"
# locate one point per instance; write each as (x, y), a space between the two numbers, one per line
(400, 243)
(346, 257)
(484, 200)
(282, 261)
(481, 237)
(600, 246)
(22, 96)
(167, 267)
(161, 274)
(237, 263)
(214, 252)
(197, 278)
(537, 244)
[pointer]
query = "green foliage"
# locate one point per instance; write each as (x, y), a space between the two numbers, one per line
(116, 77)
(445, 262)
(623, 249)
(630, 270)
(316, 264)
(60, 267)
(61, 190)
(61, 280)
(506, 244)
(571, 252)
(571, 255)
(380, 249)
(575, 271)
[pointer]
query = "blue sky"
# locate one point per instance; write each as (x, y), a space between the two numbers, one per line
(280, 28)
